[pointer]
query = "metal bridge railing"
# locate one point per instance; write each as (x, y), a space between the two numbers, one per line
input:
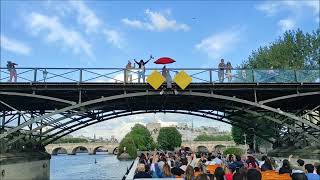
(122, 75)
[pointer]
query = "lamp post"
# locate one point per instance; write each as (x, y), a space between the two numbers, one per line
(245, 142)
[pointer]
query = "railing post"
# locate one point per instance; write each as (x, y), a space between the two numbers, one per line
(295, 75)
(35, 75)
(80, 76)
(210, 74)
(253, 79)
(124, 76)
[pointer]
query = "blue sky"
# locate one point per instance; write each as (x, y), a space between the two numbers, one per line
(52, 33)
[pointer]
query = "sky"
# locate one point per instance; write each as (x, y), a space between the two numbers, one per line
(52, 33)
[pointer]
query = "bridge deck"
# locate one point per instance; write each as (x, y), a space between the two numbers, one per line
(90, 91)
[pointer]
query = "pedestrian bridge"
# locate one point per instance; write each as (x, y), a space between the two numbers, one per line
(71, 148)
(49, 103)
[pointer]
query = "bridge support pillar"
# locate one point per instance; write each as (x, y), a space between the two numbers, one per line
(25, 165)
(91, 151)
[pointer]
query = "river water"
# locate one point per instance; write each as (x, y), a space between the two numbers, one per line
(83, 166)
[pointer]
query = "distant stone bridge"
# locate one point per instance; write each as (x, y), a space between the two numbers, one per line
(207, 145)
(71, 148)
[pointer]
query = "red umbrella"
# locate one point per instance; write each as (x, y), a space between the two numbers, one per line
(164, 60)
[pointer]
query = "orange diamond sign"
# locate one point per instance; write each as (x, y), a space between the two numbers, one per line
(182, 79)
(155, 79)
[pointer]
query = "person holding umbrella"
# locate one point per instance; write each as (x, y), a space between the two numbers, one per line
(166, 73)
(142, 69)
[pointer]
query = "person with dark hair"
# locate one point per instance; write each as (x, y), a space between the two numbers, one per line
(228, 71)
(219, 173)
(221, 68)
(202, 176)
(253, 174)
(142, 69)
(237, 176)
(267, 164)
(166, 171)
(299, 168)
(228, 173)
(189, 173)
(184, 163)
(251, 162)
(285, 167)
(12, 70)
(237, 164)
(310, 169)
(299, 176)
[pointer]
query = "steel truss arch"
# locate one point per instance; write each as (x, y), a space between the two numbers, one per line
(91, 122)
(123, 96)
(289, 96)
(39, 97)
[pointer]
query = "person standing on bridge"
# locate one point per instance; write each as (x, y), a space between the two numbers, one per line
(12, 70)
(142, 69)
(221, 68)
(129, 72)
(228, 71)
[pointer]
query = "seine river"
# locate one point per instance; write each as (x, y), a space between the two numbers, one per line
(82, 166)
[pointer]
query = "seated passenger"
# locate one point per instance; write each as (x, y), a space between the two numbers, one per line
(141, 172)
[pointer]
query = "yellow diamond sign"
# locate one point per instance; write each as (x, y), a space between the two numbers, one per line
(155, 79)
(182, 79)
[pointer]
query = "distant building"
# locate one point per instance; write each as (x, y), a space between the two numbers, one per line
(154, 129)
(113, 139)
(188, 133)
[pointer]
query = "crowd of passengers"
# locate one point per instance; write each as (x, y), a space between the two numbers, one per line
(215, 166)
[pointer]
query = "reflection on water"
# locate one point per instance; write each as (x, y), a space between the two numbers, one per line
(82, 166)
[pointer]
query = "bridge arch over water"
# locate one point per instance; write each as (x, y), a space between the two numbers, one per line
(91, 148)
(293, 108)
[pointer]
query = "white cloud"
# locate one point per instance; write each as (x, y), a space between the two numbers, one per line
(114, 37)
(119, 127)
(272, 8)
(157, 21)
(55, 31)
(14, 45)
(133, 23)
(286, 24)
(86, 16)
(218, 44)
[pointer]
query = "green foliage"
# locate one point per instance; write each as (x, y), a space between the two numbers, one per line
(169, 138)
(264, 129)
(70, 140)
(234, 150)
(142, 138)
(294, 50)
(205, 137)
(131, 149)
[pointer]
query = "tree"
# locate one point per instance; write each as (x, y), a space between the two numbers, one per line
(128, 143)
(169, 138)
(205, 137)
(293, 50)
(234, 150)
(142, 138)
